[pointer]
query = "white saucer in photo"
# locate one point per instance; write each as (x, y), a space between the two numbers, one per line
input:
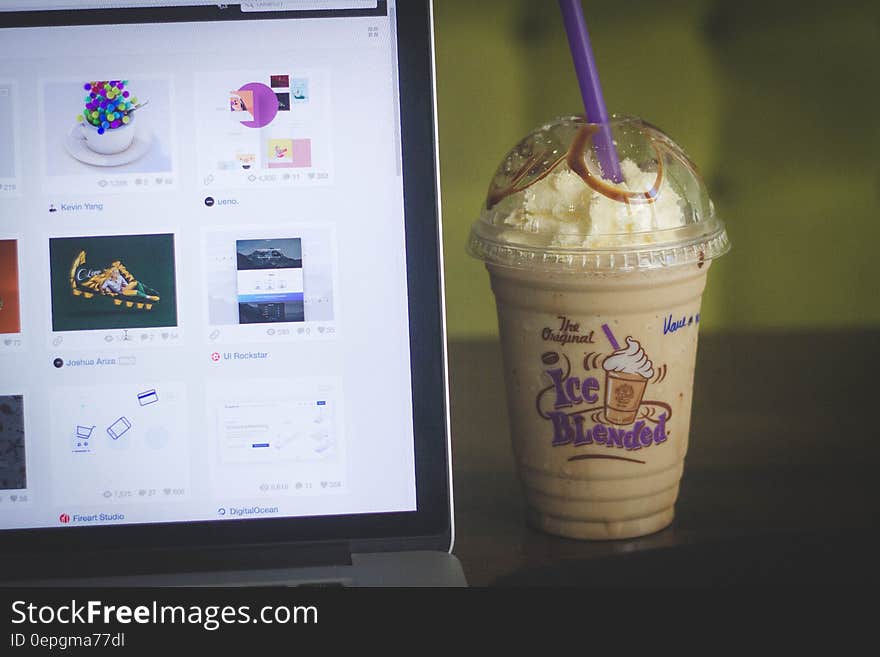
(76, 146)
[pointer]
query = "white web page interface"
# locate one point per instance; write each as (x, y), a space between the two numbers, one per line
(203, 302)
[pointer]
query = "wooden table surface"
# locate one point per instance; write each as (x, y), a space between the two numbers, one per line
(784, 441)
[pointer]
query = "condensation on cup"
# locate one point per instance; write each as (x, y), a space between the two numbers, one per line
(598, 287)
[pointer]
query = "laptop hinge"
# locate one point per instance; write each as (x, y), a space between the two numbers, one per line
(178, 560)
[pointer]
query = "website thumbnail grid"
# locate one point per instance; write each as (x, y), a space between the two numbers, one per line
(203, 304)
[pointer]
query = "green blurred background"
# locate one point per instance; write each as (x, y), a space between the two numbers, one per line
(776, 101)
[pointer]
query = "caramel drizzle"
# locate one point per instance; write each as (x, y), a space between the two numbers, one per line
(575, 157)
(657, 136)
(498, 194)
(578, 164)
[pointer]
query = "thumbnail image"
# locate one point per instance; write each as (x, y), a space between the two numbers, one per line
(283, 429)
(257, 278)
(241, 102)
(270, 281)
(257, 121)
(119, 435)
(123, 281)
(107, 126)
(7, 131)
(10, 312)
(246, 160)
(289, 153)
(280, 153)
(13, 469)
(299, 90)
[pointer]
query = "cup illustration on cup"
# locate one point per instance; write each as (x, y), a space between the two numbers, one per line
(627, 372)
(107, 121)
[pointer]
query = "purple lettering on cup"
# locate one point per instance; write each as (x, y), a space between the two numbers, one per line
(563, 433)
(631, 439)
(590, 385)
(571, 387)
(615, 437)
(660, 431)
(561, 398)
(580, 437)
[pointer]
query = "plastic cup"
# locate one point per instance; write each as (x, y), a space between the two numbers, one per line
(598, 288)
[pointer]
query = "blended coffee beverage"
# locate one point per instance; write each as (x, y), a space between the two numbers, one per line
(598, 287)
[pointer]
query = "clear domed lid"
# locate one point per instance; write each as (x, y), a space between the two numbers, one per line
(549, 206)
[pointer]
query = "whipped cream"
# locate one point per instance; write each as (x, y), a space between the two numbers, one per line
(632, 359)
(562, 210)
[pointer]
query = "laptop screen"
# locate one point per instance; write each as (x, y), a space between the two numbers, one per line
(203, 276)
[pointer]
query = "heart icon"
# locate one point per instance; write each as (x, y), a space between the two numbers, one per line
(167, 491)
(13, 497)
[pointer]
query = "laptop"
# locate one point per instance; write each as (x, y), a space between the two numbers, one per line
(222, 342)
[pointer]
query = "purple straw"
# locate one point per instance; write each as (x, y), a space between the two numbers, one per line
(591, 88)
(611, 338)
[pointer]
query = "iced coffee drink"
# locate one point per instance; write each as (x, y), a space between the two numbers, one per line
(597, 286)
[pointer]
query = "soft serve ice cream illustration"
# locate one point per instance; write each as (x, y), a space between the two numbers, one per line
(627, 372)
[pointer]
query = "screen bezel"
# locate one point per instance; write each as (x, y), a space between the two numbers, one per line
(432, 519)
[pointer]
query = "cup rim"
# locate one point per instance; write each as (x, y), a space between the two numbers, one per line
(683, 245)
